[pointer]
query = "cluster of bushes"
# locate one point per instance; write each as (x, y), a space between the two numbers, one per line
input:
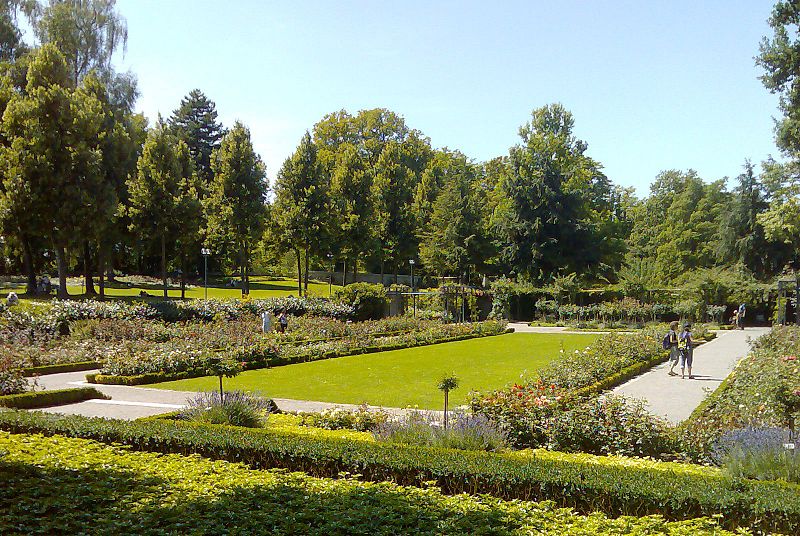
(587, 483)
(560, 409)
(626, 312)
(61, 485)
(467, 431)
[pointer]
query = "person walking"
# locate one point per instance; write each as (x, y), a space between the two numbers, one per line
(686, 350)
(674, 354)
(741, 313)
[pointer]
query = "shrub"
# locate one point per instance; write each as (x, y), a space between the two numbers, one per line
(12, 379)
(72, 486)
(467, 431)
(368, 301)
(588, 483)
(609, 425)
(56, 397)
(362, 419)
(236, 408)
(757, 453)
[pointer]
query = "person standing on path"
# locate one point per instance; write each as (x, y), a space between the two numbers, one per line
(283, 322)
(740, 317)
(686, 350)
(673, 348)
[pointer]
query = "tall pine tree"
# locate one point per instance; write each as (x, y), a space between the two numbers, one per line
(195, 122)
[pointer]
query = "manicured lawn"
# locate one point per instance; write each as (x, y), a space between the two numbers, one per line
(401, 378)
(260, 287)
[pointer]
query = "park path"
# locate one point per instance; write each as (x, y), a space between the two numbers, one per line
(675, 399)
(134, 402)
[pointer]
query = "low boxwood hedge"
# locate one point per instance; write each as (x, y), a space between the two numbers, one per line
(277, 361)
(56, 397)
(58, 485)
(586, 483)
(57, 369)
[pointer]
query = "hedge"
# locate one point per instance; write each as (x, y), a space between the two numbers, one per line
(59, 368)
(57, 485)
(158, 377)
(56, 397)
(587, 483)
(618, 378)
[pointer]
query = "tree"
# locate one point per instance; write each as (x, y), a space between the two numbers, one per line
(195, 122)
(552, 189)
(52, 161)
(161, 191)
(301, 205)
(351, 205)
(445, 385)
(87, 32)
(235, 208)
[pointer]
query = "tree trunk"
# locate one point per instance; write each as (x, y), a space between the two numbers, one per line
(27, 261)
(62, 272)
(305, 277)
(299, 274)
(164, 262)
(382, 266)
(101, 271)
(87, 269)
(183, 277)
(241, 271)
(344, 272)
(445, 409)
(355, 270)
(247, 267)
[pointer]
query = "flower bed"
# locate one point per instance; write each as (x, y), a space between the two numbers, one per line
(587, 483)
(70, 486)
(762, 391)
(180, 360)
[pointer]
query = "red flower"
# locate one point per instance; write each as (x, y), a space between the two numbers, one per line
(796, 392)
(790, 358)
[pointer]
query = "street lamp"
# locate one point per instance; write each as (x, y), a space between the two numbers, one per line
(205, 252)
(330, 275)
(412, 262)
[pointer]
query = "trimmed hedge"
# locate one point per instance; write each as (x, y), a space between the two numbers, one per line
(57, 369)
(587, 483)
(620, 377)
(56, 397)
(158, 377)
(58, 485)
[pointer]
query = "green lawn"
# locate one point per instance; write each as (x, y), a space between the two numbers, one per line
(260, 287)
(401, 378)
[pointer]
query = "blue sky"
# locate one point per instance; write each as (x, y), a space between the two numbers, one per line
(653, 85)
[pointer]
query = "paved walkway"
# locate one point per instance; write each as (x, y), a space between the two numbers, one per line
(133, 402)
(523, 327)
(674, 398)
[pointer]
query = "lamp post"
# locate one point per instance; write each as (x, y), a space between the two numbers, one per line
(205, 252)
(412, 262)
(330, 275)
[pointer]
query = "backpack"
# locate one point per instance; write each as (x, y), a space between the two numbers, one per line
(683, 342)
(666, 343)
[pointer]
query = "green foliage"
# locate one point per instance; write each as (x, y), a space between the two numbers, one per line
(612, 485)
(447, 383)
(367, 300)
(467, 431)
(362, 419)
(195, 122)
(97, 488)
(56, 397)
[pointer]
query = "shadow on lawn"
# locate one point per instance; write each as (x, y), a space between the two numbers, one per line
(115, 501)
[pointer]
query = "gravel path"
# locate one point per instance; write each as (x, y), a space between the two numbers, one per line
(675, 398)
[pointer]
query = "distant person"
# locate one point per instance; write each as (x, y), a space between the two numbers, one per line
(266, 320)
(742, 312)
(283, 322)
(12, 299)
(686, 350)
(671, 340)
(735, 318)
